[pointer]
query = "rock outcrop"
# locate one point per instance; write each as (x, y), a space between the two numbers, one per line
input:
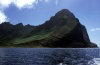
(62, 30)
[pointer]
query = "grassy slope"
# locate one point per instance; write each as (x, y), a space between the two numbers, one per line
(44, 36)
(31, 38)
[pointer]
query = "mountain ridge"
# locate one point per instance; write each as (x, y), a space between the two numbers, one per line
(62, 30)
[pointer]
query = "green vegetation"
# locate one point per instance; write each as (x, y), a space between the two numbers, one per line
(62, 30)
(31, 38)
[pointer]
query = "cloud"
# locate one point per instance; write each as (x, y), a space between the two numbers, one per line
(3, 17)
(19, 4)
(5, 3)
(25, 3)
(95, 29)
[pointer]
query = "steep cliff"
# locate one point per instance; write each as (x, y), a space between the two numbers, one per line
(62, 30)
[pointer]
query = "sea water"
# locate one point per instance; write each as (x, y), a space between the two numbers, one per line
(49, 56)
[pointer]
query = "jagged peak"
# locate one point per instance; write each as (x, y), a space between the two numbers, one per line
(21, 24)
(6, 23)
(28, 25)
(65, 13)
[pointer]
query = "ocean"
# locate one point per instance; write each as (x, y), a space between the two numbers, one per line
(49, 56)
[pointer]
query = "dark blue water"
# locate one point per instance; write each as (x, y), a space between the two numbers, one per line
(49, 56)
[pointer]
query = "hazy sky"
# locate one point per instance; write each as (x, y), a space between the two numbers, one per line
(36, 12)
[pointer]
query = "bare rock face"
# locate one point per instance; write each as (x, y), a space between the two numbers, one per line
(62, 30)
(68, 32)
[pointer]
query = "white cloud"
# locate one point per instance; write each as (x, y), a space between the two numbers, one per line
(25, 3)
(95, 29)
(3, 17)
(19, 4)
(5, 3)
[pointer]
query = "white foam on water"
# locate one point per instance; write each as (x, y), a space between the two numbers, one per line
(62, 64)
(97, 61)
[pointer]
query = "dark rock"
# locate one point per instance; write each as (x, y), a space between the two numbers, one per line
(76, 37)
(62, 30)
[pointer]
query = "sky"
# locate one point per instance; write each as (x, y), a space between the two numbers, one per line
(36, 12)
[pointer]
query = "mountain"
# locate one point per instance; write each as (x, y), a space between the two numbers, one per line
(62, 30)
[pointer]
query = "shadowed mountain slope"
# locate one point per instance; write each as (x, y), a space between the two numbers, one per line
(62, 30)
